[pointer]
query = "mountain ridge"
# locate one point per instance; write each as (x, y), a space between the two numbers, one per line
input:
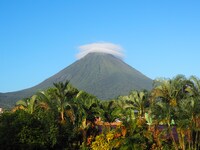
(100, 74)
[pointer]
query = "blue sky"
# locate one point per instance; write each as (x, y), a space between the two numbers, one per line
(38, 38)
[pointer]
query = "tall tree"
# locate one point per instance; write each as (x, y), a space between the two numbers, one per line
(86, 109)
(165, 96)
(64, 94)
(193, 107)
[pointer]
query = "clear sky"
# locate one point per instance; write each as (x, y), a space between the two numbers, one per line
(38, 38)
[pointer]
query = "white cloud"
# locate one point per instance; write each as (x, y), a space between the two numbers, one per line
(100, 47)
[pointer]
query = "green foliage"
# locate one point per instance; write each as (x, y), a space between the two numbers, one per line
(21, 130)
(168, 117)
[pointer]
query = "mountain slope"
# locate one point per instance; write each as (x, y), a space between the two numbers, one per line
(102, 75)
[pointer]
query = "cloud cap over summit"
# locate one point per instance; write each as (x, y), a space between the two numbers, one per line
(100, 47)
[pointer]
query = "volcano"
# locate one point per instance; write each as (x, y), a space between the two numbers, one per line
(100, 74)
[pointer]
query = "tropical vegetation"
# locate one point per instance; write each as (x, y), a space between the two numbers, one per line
(63, 117)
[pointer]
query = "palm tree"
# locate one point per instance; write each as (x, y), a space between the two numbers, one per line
(27, 104)
(195, 88)
(184, 121)
(89, 105)
(86, 109)
(122, 108)
(193, 107)
(108, 108)
(64, 94)
(139, 101)
(165, 98)
(132, 107)
(170, 90)
(44, 100)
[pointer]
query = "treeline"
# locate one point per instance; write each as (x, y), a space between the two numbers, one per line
(62, 117)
